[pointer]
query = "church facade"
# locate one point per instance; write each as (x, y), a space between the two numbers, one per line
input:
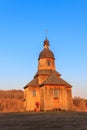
(47, 91)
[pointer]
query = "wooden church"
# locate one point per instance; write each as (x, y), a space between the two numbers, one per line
(47, 91)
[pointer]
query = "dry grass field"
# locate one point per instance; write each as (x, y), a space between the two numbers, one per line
(44, 121)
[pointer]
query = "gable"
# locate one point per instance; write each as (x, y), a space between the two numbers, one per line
(34, 82)
(54, 80)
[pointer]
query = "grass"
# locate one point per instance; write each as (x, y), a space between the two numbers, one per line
(44, 121)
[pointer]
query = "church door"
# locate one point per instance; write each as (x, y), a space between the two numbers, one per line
(55, 103)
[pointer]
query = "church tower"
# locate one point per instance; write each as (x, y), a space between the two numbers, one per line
(46, 63)
(47, 90)
(46, 58)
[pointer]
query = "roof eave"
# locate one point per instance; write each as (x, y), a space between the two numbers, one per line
(56, 84)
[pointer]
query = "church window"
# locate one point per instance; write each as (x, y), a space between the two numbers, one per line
(48, 63)
(50, 91)
(55, 93)
(34, 93)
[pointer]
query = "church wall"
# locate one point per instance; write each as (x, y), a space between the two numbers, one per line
(42, 98)
(48, 100)
(45, 98)
(46, 63)
(25, 98)
(31, 101)
(69, 98)
(63, 98)
(51, 102)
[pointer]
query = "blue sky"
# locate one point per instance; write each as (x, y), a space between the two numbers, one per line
(23, 25)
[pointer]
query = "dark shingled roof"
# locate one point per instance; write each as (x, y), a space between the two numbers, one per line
(54, 80)
(47, 72)
(34, 82)
(51, 80)
(46, 53)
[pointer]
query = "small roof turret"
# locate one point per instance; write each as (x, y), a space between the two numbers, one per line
(46, 42)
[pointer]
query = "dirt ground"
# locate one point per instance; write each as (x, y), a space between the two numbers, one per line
(44, 121)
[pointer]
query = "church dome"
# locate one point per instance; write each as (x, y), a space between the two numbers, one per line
(46, 52)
